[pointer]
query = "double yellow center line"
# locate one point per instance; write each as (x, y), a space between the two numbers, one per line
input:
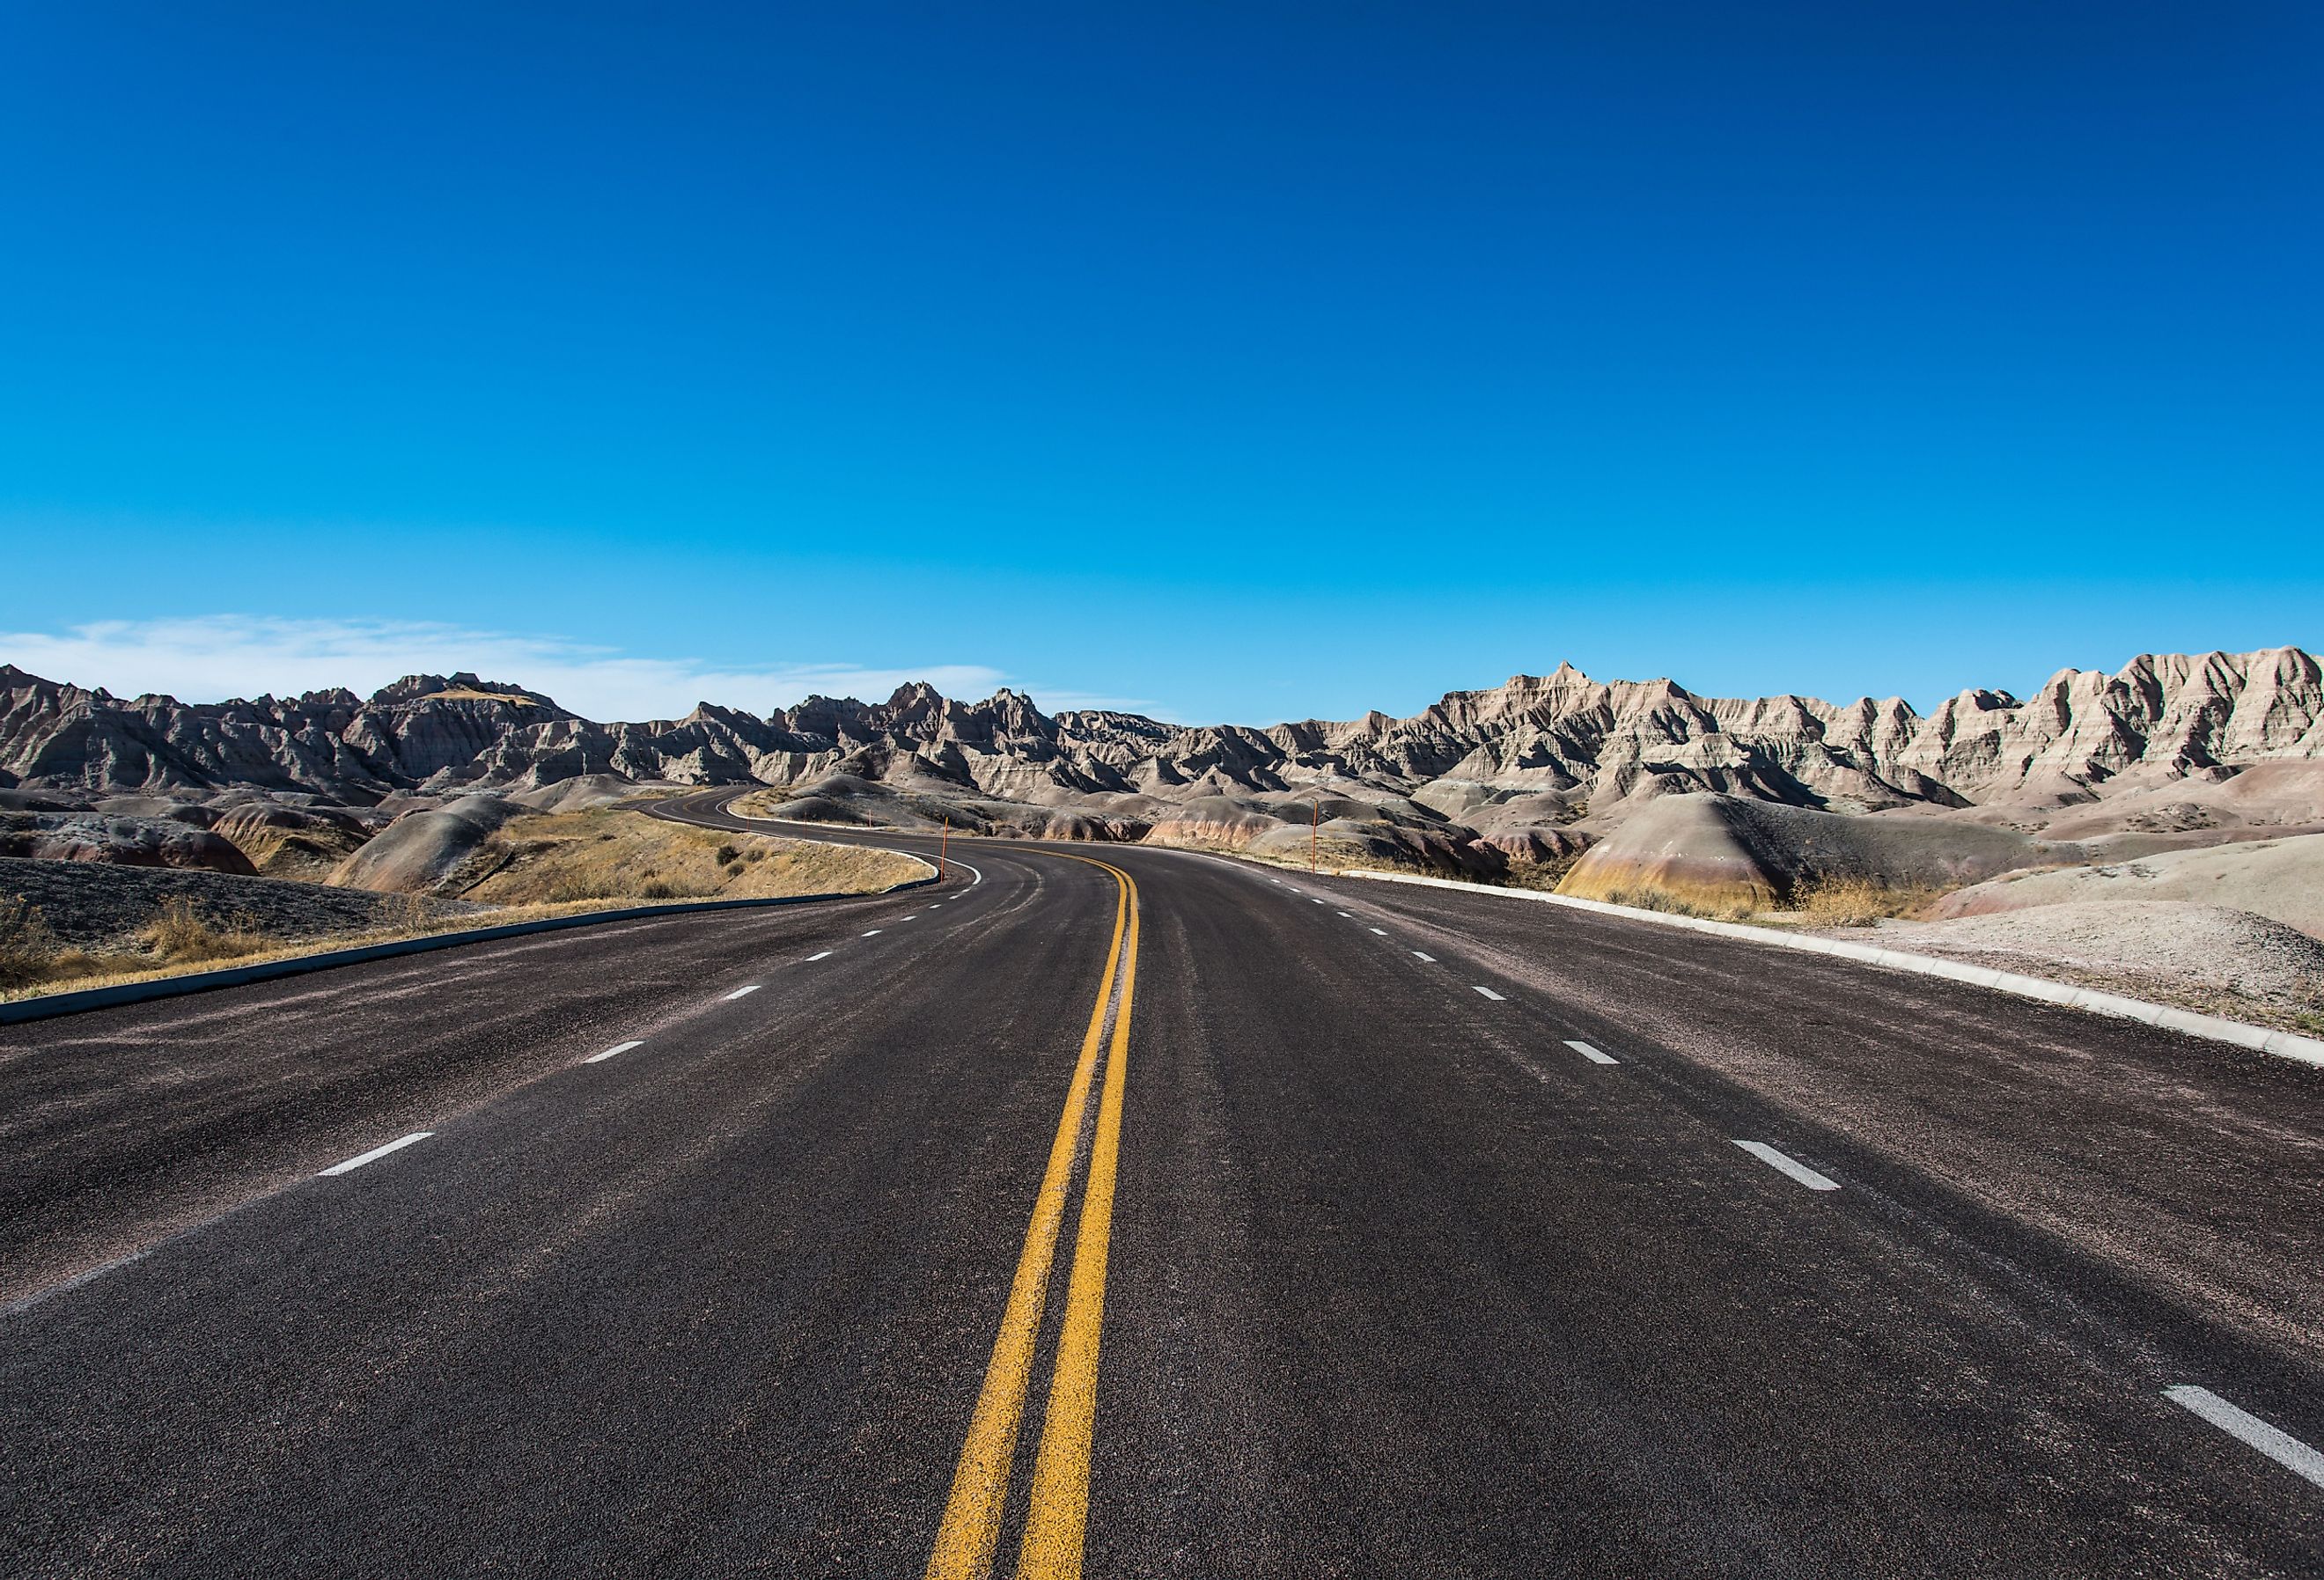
(1051, 1548)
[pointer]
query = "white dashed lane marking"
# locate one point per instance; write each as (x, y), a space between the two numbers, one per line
(1418, 956)
(824, 955)
(1381, 932)
(617, 1047)
(1782, 1165)
(2278, 1445)
(742, 991)
(377, 1153)
(1490, 994)
(872, 934)
(1589, 1053)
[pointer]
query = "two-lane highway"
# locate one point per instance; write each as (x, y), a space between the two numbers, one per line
(1153, 1214)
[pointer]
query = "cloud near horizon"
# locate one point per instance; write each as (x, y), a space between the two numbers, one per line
(210, 658)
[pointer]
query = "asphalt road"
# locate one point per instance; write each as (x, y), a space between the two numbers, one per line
(1339, 1264)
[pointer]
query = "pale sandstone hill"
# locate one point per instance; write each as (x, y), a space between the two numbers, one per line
(2279, 879)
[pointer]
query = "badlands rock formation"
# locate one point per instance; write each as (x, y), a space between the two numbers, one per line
(2279, 879)
(421, 849)
(1528, 772)
(124, 842)
(1724, 854)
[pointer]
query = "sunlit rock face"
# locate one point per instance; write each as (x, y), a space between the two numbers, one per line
(1529, 772)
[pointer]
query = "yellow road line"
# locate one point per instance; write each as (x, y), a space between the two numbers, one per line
(1054, 1527)
(970, 1530)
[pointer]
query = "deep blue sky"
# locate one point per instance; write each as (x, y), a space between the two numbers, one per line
(1244, 361)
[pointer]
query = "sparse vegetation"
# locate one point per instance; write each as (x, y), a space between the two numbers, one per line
(1671, 904)
(549, 865)
(470, 694)
(1858, 901)
(180, 932)
(1545, 875)
(26, 945)
(763, 803)
(610, 854)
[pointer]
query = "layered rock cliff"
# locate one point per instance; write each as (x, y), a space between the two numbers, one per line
(1537, 752)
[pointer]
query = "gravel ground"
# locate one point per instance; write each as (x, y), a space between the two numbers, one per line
(96, 906)
(2204, 957)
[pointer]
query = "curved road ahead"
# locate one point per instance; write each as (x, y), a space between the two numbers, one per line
(1132, 1212)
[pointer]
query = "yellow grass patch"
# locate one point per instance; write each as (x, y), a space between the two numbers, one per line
(612, 854)
(557, 865)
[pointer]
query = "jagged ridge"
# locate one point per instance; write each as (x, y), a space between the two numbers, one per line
(1538, 750)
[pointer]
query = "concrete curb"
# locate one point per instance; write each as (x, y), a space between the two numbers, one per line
(49, 1005)
(2259, 1039)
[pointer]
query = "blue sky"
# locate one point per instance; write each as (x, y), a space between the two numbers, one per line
(1235, 361)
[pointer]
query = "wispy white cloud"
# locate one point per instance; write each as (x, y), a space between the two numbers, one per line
(209, 657)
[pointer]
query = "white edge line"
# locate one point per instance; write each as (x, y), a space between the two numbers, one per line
(1791, 1166)
(377, 1153)
(1594, 1055)
(1490, 994)
(617, 1047)
(2277, 1444)
(740, 992)
(2259, 1039)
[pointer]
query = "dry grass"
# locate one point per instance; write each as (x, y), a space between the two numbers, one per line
(762, 803)
(1857, 902)
(304, 854)
(76, 968)
(1543, 875)
(560, 865)
(179, 933)
(470, 694)
(180, 939)
(1670, 904)
(609, 853)
(30, 954)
